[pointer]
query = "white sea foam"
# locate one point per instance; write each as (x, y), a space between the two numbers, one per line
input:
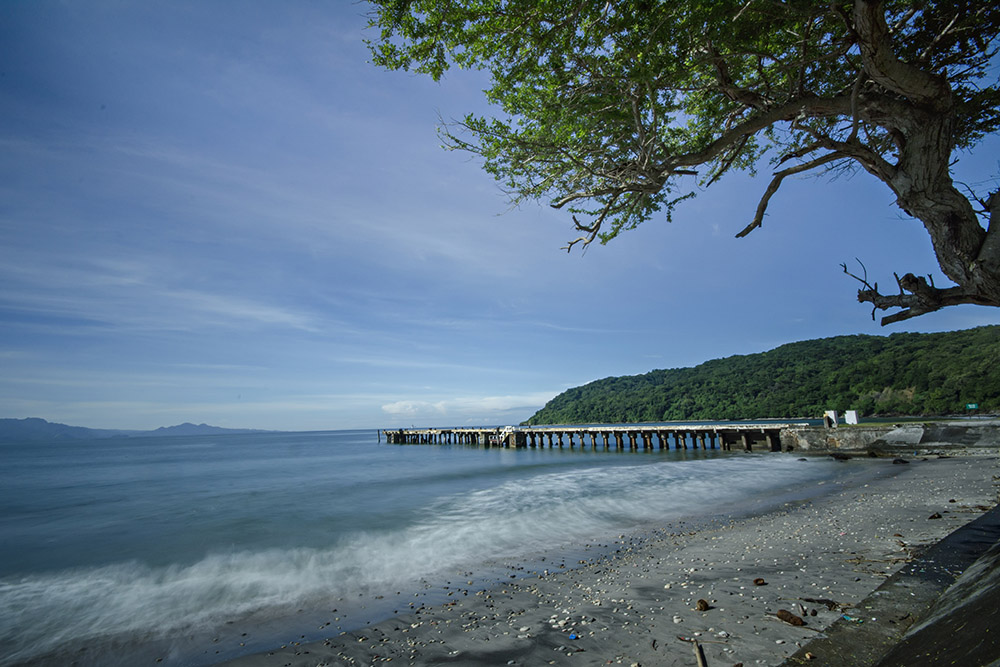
(39, 613)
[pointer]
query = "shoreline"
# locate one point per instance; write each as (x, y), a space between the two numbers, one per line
(630, 605)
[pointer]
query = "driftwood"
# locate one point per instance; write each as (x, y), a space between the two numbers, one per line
(699, 655)
(692, 640)
(790, 618)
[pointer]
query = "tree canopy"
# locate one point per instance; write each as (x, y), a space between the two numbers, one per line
(614, 111)
(902, 374)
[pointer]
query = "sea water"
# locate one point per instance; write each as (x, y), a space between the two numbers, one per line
(191, 550)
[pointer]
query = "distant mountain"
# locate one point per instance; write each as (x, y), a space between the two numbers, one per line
(33, 428)
(187, 428)
(39, 429)
(901, 374)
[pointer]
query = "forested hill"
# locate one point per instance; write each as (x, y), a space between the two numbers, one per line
(901, 374)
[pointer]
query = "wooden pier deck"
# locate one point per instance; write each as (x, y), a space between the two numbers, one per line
(742, 436)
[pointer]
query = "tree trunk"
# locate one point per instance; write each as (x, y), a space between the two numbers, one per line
(967, 254)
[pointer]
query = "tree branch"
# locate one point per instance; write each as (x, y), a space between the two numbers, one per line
(728, 87)
(775, 183)
(591, 229)
(916, 297)
(805, 150)
(809, 106)
(884, 67)
(989, 252)
(922, 298)
(735, 153)
(937, 38)
(852, 148)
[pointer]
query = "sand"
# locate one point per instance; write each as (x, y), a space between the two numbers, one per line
(642, 599)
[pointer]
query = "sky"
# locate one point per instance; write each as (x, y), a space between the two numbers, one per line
(223, 212)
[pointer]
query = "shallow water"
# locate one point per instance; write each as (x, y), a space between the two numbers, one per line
(170, 543)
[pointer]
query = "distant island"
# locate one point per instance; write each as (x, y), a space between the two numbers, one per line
(904, 374)
(33, 428)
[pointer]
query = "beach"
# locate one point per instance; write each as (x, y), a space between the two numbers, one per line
(725, 582)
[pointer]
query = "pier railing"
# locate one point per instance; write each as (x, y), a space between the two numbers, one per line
(744, 436)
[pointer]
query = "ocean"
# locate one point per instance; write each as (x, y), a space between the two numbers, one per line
(192, 550)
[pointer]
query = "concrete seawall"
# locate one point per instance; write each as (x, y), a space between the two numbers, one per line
(892, 437)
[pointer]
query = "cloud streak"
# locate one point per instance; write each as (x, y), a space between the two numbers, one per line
(462, 406)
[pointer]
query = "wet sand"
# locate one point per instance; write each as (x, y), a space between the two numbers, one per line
(644, 599)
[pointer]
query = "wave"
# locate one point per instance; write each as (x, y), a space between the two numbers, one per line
(41, 613)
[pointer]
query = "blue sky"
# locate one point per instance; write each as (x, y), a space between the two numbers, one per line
(221, 212)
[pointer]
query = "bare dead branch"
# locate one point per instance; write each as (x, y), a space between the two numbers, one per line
(864, 281)
(592, 229)
(918, 296)
(864, 269)
(585, 239)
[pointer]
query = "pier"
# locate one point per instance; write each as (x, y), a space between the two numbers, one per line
(739, 436)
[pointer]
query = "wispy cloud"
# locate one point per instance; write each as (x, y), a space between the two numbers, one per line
(222, 309)
(125, 295)
(461, 406)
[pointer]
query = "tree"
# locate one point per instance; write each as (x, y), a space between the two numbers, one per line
(616, 110)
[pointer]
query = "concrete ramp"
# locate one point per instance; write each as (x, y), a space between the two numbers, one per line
(940, 609)
(962, 627)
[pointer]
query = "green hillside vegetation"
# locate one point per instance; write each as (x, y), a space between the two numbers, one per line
(897, 375)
